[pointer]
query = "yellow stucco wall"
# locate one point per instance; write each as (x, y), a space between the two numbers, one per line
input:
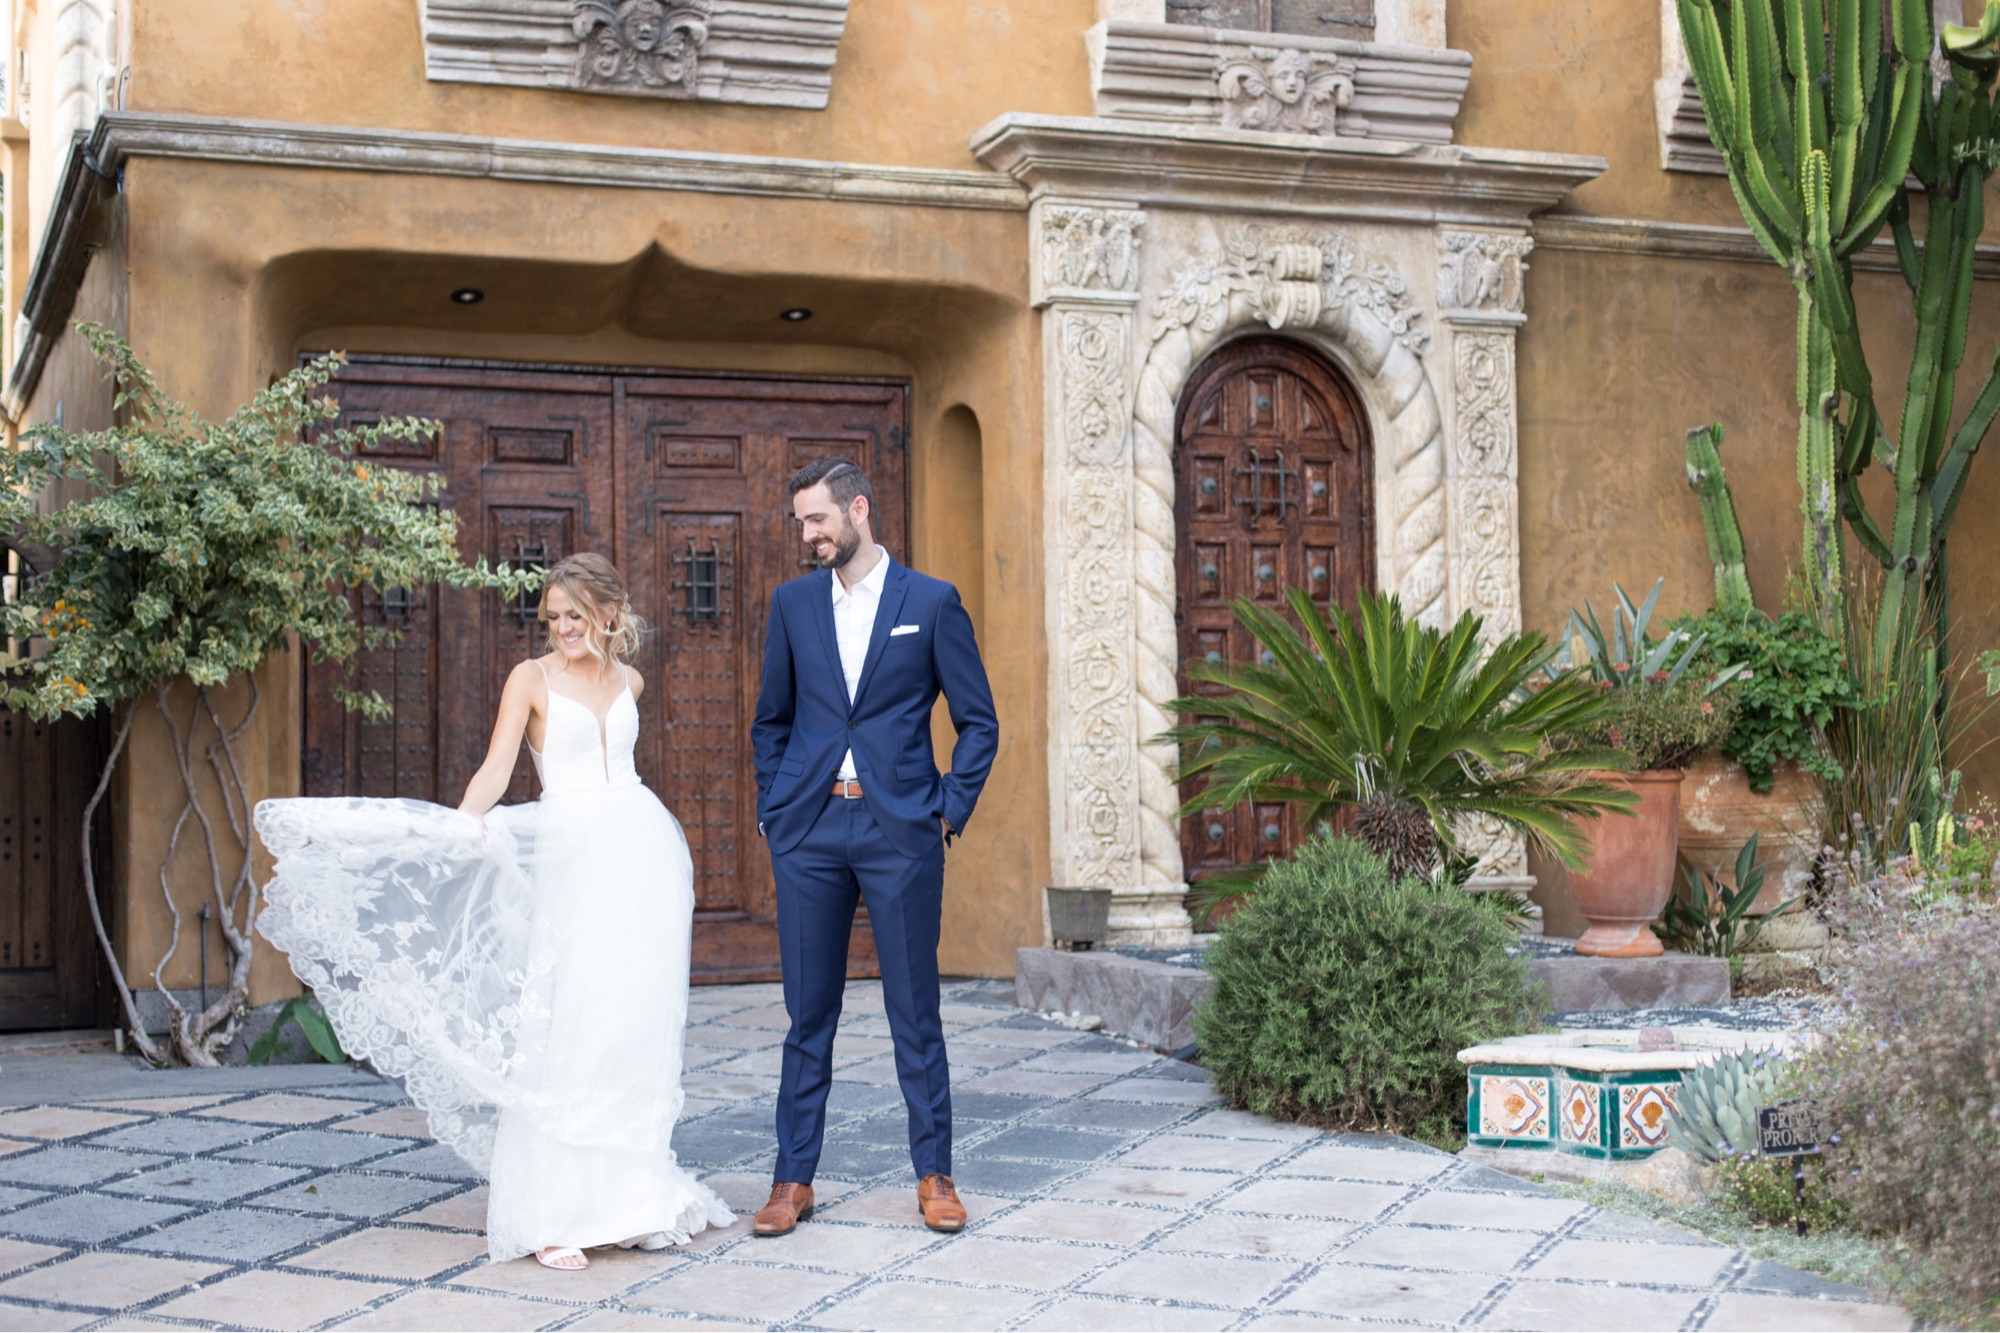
(914, 78)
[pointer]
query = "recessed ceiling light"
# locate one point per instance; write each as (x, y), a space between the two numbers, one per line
(796, 314)
(468, 296)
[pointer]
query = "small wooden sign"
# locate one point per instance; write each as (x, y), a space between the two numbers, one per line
(1789, 1129)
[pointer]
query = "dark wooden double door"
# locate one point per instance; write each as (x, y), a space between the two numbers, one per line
(680, 480)
(1273, 478)
(50, 968)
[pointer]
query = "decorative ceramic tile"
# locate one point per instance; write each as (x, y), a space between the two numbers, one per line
(1514, 1106)
(1643, 1112)
(1579, 1115)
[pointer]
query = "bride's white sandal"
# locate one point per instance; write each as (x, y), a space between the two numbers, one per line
(562, 1258)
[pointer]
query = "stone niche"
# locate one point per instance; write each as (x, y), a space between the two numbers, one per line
(1151, 246)
(763, 52)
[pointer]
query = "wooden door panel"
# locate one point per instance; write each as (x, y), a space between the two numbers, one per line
(49, 964)
(1273, 474)
(526, 459)
(703, 464)
(704, 657)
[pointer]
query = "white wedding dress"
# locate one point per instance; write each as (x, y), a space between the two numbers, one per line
(527, 979)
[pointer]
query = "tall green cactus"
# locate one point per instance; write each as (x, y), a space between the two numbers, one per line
(1823, 111)
(1718, 519)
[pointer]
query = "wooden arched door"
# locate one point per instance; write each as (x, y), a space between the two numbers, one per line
(1274, 479)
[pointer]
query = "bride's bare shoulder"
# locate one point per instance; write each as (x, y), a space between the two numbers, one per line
(635, 680)
(527, 677)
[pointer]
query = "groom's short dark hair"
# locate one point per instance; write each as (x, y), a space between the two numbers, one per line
(843, 481)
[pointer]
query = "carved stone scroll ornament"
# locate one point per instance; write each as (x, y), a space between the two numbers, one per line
(1482, 272)
(640, 44)
(1284, 277)
(1285, 91)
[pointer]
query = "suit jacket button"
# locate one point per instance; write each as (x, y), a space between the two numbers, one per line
(850, 726)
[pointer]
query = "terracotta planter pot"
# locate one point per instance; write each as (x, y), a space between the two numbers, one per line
(1631, 870)
(1719, 812)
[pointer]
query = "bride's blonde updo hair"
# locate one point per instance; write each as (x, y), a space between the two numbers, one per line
(597, 589)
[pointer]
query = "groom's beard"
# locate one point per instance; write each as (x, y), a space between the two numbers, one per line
(844, 548)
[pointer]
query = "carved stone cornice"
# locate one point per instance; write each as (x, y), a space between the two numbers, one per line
(427, 153)
(762, 52)
(1695, 240)
(1237, 171)
(95, 160)
(1185, 74)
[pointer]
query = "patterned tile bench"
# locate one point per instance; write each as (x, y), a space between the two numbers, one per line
(1587, 1092)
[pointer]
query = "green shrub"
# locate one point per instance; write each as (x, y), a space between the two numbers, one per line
(1762, 1188)
(1797, 679)
(1909, 1073)
(1342, 994)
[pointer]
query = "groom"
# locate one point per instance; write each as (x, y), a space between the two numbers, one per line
(851, 802)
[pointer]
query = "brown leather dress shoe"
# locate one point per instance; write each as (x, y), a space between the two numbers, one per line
(938, 1201)
(791, 1203)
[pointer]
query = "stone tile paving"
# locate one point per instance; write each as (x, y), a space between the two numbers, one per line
(1108, 1187)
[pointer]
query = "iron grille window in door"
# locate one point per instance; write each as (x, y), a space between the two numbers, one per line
(537, 557)
(701, 582)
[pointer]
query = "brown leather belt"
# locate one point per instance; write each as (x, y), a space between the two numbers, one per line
(849, 788)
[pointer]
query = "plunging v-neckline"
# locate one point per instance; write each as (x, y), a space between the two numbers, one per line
(603, 719)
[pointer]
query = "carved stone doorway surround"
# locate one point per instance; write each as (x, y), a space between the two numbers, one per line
(1150, 247)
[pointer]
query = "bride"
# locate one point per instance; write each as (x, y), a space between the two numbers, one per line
(524, 969)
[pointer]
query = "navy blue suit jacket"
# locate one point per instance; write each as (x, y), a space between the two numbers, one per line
(805, 724)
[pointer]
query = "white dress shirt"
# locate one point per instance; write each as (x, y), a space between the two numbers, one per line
(853, 625)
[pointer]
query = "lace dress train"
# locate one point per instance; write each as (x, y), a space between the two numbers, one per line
(527, 979)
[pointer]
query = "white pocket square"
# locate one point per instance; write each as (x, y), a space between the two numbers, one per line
(904, 629)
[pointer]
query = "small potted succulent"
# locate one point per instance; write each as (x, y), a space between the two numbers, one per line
(1664, 712)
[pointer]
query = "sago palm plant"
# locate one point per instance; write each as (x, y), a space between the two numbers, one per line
(1410, 726)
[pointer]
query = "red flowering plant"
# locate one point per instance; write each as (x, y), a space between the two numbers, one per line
(1664, 709)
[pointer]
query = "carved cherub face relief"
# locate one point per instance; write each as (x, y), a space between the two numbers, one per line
(643, 23)
(1290, 73)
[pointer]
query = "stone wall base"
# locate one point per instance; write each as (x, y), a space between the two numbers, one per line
(1152, 1002)
(1581, 984)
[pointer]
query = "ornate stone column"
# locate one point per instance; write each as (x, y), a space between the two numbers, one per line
(1085, 280)
(1480, 300)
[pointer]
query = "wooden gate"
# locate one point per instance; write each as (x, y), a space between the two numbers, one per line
(680, 480)
(49, 963)
(1273, 476)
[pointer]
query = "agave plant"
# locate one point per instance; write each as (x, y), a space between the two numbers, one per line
(1417, 729)
(1717, 1118)
(1628, 657)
